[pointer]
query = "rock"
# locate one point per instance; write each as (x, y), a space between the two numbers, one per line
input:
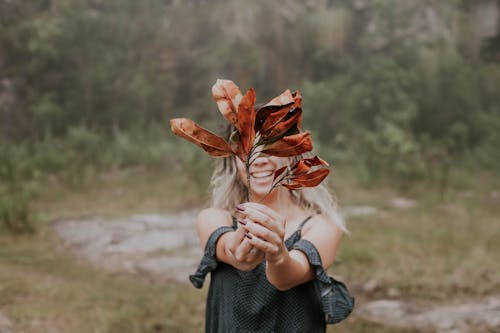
(160, 246)
(5, 324)
(370, 286)
(360, 4)
(487, 15)
(480, 317)
(351, 211)
(393, 293)
(402, 203)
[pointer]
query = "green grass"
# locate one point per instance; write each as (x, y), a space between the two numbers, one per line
(437, 250)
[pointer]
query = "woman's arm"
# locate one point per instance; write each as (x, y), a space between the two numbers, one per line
(294, 269)
(286, 269)
(232, 247)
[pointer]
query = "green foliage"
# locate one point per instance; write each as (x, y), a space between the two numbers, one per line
(16, 195)
(16, 216)
(403, 90)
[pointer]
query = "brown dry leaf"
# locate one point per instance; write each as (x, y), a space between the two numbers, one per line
(284, 98)
(227, 95)
(290, 145)
(213, 144)
(246, 120)
(281, 127)
(292, 186)
(298, 104)
(310, 179)
(270, 116)
(278, 172)
(304, 165)
(300, 174)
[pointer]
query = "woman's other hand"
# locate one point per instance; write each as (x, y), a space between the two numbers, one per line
(233, 247)
(265, 230)
(240, 251)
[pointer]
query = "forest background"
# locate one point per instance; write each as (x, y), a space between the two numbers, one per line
(397, 94)
(407, 89)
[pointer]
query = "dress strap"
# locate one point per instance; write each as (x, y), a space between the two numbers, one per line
(302, 225)
(304, 222)
(235, 223)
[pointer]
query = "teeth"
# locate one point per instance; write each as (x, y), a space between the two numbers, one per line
(261, 174)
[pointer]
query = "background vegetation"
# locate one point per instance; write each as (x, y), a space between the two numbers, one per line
(401, 97)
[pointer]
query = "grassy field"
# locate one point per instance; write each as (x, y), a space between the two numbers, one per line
(442, 250)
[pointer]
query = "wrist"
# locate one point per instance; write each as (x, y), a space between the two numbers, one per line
(279, 260)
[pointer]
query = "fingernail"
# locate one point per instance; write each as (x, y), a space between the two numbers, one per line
(242, 222)
(247, 235)
(240, 208)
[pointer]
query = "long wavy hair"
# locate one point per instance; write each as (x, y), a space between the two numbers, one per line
(228, 191)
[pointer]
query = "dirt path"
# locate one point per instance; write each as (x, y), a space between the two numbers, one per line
(166, 248)
(163, 247)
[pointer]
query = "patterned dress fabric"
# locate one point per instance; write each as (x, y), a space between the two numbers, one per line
(246, 302)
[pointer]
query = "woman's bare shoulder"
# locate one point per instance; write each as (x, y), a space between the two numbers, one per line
(320, 223)
(214, 217)
(325, 236)
(209, 219)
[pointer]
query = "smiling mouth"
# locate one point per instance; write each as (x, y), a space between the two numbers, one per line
(261, 174)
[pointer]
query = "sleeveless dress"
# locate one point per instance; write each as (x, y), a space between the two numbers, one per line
(246, 302)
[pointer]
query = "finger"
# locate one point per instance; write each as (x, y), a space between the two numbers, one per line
(263, 232)
(262, 245)
(236, 239)
(255, 256)
(242, 250)
(263, 209)
(265, 220)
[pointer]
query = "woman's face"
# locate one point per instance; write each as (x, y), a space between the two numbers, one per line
(261, 173)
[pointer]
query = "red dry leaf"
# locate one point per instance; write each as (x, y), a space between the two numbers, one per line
(310, 179)
(303, 175)
(246, 121)
(274, 111)
(279, 172)
(213, 144)
(281, 127)
(227, 95)
(305, 165)
(290, 145)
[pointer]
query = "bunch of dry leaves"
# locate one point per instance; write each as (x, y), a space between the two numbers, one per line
(274, 129)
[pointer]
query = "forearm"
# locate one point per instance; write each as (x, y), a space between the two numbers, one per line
(292, 270)
(221, 249)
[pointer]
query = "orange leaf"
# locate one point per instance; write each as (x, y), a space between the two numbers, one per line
(292, 186)
(271, 115)
(290, 145)
(282, 126)
(305, 164)
(227, 95)
(278, 172)
(301, 167)
(298, 104)
(213, 144)
(246, 120)
(311, 179)
(284, 98)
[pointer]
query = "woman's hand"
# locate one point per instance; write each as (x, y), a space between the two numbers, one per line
(242, 254)
(265, 230)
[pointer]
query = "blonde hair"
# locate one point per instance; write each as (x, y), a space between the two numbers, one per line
(228, 191)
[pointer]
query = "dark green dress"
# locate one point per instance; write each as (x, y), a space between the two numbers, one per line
(241, 301)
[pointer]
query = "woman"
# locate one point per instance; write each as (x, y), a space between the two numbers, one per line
(268, 264)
